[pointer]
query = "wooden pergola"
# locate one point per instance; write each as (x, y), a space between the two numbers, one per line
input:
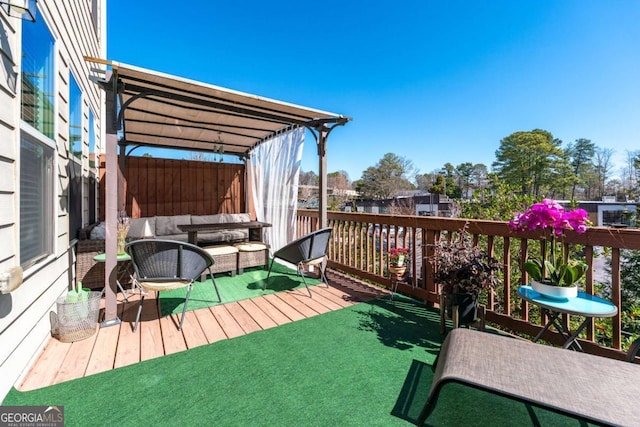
(148, 108)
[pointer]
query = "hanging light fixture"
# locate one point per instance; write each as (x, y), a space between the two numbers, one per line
(23, 9)
(219, 150)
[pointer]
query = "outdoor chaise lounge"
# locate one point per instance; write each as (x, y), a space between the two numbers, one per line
(584, 386)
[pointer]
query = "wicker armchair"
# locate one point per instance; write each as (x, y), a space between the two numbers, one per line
(88, 271)
(162, 265)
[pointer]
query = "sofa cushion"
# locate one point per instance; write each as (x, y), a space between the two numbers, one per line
(142, 227)
(181, 237)
(217, 236)
(220, 218)
(168, 225)
(99, 232)
(221, 250)
(220, 236)
(235, 217)
(205, 219)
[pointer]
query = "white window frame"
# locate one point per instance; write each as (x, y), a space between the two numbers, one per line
(28, 131)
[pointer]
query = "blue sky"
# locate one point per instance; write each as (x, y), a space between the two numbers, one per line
(431, 81)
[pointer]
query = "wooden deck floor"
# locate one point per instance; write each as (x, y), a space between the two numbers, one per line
(118, 346)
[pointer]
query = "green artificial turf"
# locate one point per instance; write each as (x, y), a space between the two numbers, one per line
(242, 286)
(366, 365)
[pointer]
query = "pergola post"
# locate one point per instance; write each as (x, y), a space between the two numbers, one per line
(321, 131)
(322, 175)
(111, 207)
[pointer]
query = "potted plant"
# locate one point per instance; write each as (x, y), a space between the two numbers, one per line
(397, 261)
(463, 270)
(122, 230)
(554, 274)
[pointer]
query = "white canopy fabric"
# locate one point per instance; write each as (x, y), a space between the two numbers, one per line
(161, 110)
(275, 168)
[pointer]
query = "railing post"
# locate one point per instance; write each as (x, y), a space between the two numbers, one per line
(616, 299)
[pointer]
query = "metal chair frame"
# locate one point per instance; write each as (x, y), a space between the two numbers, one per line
(162, 265)
(309, 249)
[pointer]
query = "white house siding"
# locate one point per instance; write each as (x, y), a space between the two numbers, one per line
(24, 313)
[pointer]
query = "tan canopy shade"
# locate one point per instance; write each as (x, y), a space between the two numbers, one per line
(161, 110)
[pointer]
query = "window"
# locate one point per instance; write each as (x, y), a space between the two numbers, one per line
(90, 192)
(37, 169)
(75, 119)
(617, 217)
(74, 172)
(38, 97)
(36, 201)
(92, 141)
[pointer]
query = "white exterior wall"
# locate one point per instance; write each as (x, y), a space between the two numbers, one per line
(24, 313)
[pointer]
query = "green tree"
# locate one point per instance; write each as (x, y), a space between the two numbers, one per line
(580, 154)
(464, 172)
(529, 161)
(308, 178)
(563, 178)
(386, 178)
(603, 165)
(498, 202)
(339, 180)
(338, 183)
(445, 182)
(438, 186)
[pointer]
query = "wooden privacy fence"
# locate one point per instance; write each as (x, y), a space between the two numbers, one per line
(360, 242)
(155, 186)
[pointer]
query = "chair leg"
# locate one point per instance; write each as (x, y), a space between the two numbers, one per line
(301, 273)
(323, 275)
(184, 308)
(442, 314)
(215, 286)
(268, 274)
(135, 326)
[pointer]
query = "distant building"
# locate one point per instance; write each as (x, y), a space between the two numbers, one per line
(423, 205)
(608, 212)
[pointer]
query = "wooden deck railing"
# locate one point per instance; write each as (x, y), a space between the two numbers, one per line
(360, 242)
